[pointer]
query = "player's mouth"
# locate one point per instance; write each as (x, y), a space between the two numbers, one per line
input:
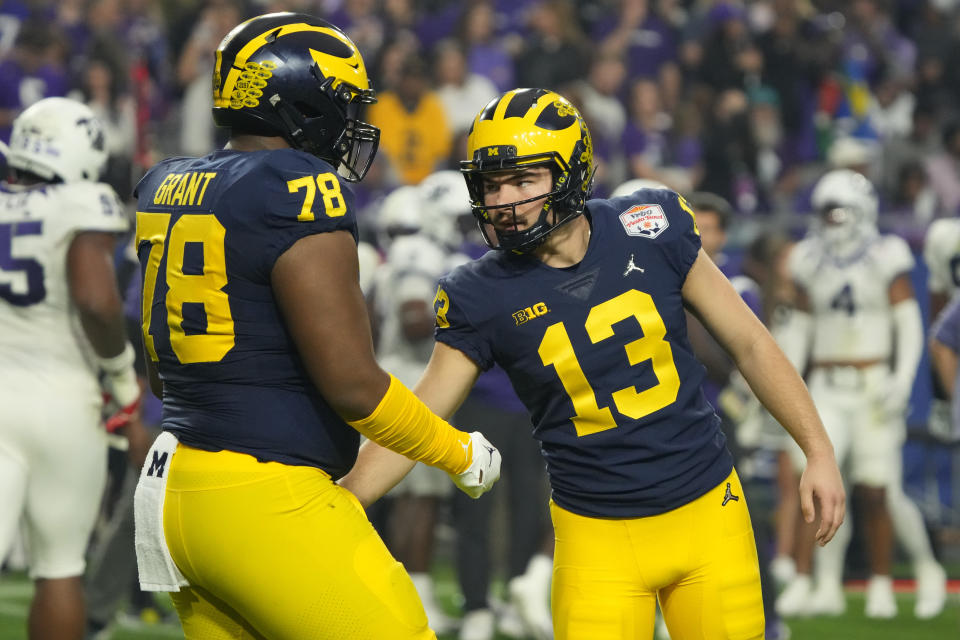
(510, 223)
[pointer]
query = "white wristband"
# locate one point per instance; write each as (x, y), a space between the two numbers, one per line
(120, 362)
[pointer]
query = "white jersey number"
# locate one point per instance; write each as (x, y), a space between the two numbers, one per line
(27, 268)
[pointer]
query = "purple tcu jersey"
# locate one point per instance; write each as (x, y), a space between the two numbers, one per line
(599, 355)
(209, 231)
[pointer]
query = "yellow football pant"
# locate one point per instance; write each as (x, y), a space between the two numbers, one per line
(699, 559)
(280, 552)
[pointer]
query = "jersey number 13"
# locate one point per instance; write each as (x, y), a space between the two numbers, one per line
(557, 350)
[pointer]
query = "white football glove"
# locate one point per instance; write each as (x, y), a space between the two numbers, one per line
(119, 378)
(895, 398)
(484, 470)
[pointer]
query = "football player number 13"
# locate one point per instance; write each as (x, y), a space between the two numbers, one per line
(557, 350)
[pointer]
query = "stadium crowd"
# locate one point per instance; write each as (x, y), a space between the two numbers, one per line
(752, 101)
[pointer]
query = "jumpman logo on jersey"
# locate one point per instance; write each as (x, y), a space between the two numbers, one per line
(631, 267)
(728, 496)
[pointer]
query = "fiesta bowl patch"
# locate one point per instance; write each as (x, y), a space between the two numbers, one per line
(645, 220)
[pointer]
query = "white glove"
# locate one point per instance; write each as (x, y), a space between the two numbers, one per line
(896, 396)
(484, 470)
(119, 378)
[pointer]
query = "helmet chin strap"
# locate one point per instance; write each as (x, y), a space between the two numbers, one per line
(537, 240)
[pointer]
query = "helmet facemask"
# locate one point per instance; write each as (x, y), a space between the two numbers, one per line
(563, 201)
(312, 129)
(528, 239)
(521, 129)
(846, 207)
(843, 228)
(299, 77)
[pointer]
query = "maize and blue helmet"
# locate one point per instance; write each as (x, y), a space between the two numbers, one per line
(299, 77)
(530, 128)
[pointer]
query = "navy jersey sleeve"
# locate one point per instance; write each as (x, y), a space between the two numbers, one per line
(301, 195)
(453, 305)
(680, 243)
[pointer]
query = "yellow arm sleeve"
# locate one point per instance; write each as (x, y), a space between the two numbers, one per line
(402, 423)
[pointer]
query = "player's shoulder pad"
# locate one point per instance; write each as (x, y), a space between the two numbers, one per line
(150, 181)
(895, 255)
(804, 258)
(284, 164)
(94, 206)
(290, 178)
(654, 214)
(471, 277)
(942, 237)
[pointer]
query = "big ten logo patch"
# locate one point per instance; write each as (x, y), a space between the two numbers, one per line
(249, 88)
(644, 220)
(529, 313)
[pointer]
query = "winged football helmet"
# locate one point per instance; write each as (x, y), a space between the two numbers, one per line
(300, 77)
(530, 128)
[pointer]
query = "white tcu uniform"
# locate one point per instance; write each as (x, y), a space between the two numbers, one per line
(410, 272)
(941, 252)
(52, 445)
(853, 321)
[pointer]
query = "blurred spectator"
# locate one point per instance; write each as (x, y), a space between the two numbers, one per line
(892, 106)
(914, 201)
(485, 55)
(944, 169)
(33, 70)
(555, 52)
(414, 135)
(646, 41)
(363, 23)
(730, 152)
(767, 130)
(645, 137)
(194, 68)
(388, 65)
(12, 15)
(597, 96)
(461, 91)
(918, 145)
(873, 43)
(104, 89)
(731, 60)
(796, 53)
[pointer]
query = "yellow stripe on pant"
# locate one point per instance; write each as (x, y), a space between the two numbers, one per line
(280, 552)
(700, 559)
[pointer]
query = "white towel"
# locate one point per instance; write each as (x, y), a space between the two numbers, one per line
(157, 569)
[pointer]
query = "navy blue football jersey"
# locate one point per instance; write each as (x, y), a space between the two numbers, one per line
(209, 231)
(599, 354)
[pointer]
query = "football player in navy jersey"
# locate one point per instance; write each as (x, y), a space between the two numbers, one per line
(582, 303)
(257, 332)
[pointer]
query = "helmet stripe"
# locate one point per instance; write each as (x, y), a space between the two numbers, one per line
(522, 101)
(351, 67)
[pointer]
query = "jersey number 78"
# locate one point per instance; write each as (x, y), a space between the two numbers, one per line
(204, 288)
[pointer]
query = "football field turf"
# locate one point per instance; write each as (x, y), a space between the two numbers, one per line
(15, 593)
